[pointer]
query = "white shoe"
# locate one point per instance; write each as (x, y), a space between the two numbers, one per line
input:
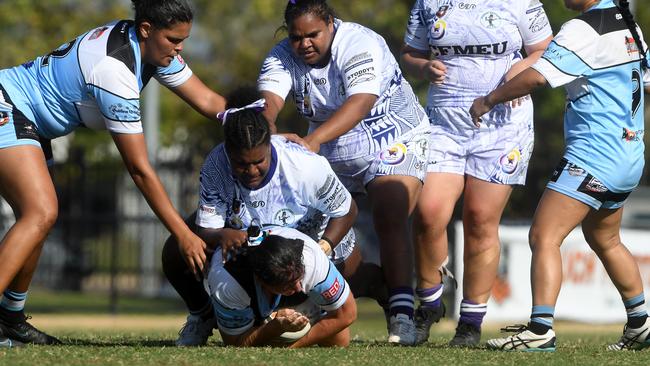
(524, 340)
(401, 330)
(196, 331)
(633, 338)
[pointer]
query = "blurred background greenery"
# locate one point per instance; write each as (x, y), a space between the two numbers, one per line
(227, 46)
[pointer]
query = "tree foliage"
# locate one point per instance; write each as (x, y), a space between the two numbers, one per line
(228, 43)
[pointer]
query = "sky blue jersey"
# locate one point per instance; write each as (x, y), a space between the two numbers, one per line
(597, 60)
(94, 80)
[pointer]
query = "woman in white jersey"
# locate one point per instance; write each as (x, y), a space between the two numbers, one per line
(255, 179)
(466, 49)
(601, 59)
(95, 80)
(365, 119)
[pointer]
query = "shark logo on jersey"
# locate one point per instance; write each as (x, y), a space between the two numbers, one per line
(631, 46)
(284, 217)
(4, 118)
(491, 20)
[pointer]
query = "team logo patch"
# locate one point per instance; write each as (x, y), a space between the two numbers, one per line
(393, 155)
(491, 20)
(631, 46)
(330, 293)
(97, 33)
(575, 170)
(510, 161)
(4, 118)
(439, 29)
(595, 185)
(284, 217)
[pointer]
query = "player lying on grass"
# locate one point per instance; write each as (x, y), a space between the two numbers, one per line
(286, 267)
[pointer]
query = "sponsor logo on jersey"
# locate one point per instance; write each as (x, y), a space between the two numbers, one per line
(208, 209)
(510, 161)
(333, 291)
(594, 185)
(320, 81)
(481, 49)
(4, 118)
(421, 147)
(284, 217)
(326, 188)
(465, 6)
(257, 204)
(575, 170)
(394, 154)
(539, 21)
(97, 33)
(361, 76)
(124, 112)
(491, 20)
(631, 46)
(359, 59)
(336, 198)
(630, 135)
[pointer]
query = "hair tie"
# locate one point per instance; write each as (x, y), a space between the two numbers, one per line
(258, 106)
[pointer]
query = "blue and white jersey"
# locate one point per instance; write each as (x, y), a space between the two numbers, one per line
(595, 57)
(237, 311)
(477, 40)
(95, 80)
(300, 191)
(360, 63)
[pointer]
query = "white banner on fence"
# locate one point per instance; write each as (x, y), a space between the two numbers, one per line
(587, 294)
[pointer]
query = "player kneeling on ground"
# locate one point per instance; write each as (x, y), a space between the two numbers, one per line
(287, 267)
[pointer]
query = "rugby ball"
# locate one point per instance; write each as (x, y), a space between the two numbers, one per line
(290, 337)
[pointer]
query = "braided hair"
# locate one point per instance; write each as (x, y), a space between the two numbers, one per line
(162, 14)
(624, 8)
(247, 128)
(319, 8)
(277, 260)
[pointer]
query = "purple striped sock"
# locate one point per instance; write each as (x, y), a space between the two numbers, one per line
(430, 297)
(401, 301)
(472, 313)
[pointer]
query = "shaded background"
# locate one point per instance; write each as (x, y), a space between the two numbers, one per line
(107, 241)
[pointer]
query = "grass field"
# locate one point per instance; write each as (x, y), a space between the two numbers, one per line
(138, 339)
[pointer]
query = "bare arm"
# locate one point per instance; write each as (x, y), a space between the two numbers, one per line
(226, 238)
(285, 320)
(274, 104)
(133, 150)
(205, 101)
(417, 63)
(355, 108)
(331, 325)
(521, 85)
(337, 227)
(533, 53)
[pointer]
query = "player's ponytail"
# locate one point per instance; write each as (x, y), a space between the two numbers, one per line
(162, 13)
(246, 128)
(624, 8)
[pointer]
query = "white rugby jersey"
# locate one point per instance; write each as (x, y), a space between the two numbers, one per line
(95, 80)
(322, 282)
(361, 63)
(300, 191)
(477, 40)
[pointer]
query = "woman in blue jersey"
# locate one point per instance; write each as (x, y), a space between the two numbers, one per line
(601, 59)
(465, 50)
(95, 81)
(365, 119)
(255, 179)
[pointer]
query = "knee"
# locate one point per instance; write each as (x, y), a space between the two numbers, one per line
(539, 240)
(42, 217)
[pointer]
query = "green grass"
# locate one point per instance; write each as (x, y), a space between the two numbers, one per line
(91, 342)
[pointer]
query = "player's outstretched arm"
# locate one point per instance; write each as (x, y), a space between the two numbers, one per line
(522, 84)
(333, 330)
(355, 108)
(418, 64)
(133, 150)
(203, 99)
(225, 238)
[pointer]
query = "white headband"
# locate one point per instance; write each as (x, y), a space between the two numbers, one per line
(258, 105)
